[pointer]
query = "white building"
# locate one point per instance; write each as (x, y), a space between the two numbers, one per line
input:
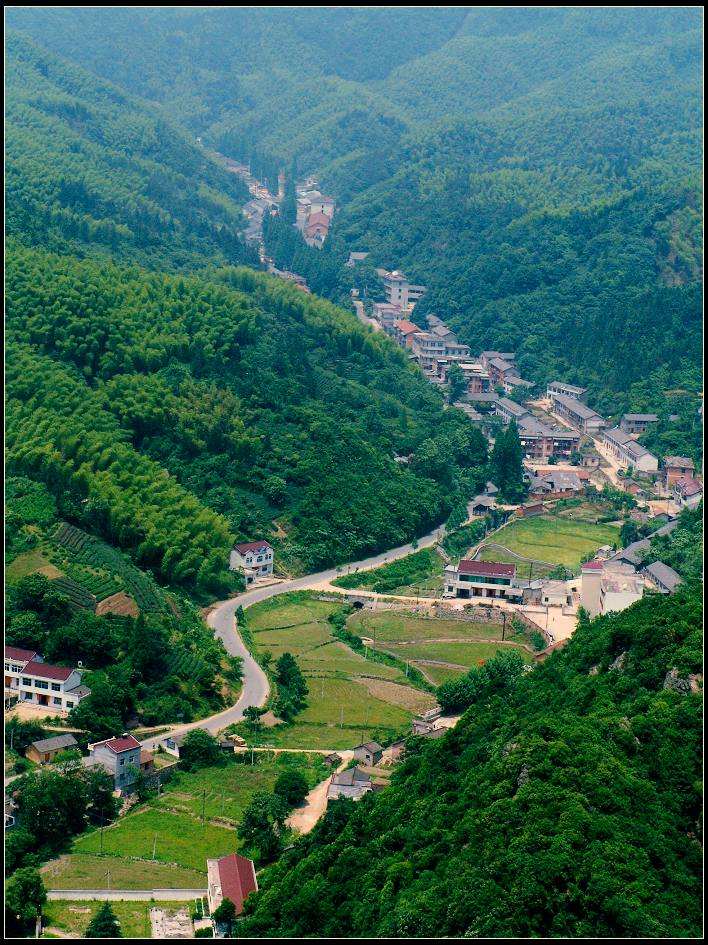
(687, 493)
(254, 558)
(29, 679)
(567, 390)
(399, 291)
(628, 452)
(574, 412)
(120, 757)
(608, 586)
(488, 579)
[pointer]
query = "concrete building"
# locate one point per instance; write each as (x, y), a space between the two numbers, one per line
(687, 493)
(662, 577)
(403, 332)
(352, 783)
(577, 414)
(426, 348)
(636, 423)
(628, 452)
(488, 579)
(566, 390)
(677, 467)
(399, 291)
(508, 410)
(386, 315)
(119, 756)
(45, 750)
(254, 558)
(619, 591)
(556, 484)
(540, 441)
(590, 580)
(30, 680)
(486, 357)
(230, 877)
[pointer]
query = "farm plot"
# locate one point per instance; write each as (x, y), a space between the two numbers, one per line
(90, 871)
(396, 626)
(555, 540)
(460, 653)
(72, 918)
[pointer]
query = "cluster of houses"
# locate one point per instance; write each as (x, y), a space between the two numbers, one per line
(29, 680)
(314, 213)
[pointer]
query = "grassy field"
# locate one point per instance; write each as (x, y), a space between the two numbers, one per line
(171, 824)
(462, 654)
(441, 674)
(419, 574)
(73, 917)
(350, 698)
(555, 540)
(29, 563)
(394, 626)
(89, 871)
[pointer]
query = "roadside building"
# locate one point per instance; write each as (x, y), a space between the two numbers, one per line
(619, 591)
(386, 315)
(566, 390)
(636, 423)
(628, 452)
(500, 370)
(352, 783)
(230, 877)
(687, 493)
(45, 750)
(540, 441)
(508, 410)
(486, 357)
(487, 579)
(662, 577)
(253, 558)
(29, 679)
(119, 756)
(403, 332)
(577, 414)
(399, 291)
(369, 753)
(677, 467)
(556, 485)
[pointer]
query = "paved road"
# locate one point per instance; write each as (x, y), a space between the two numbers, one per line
(255, 682)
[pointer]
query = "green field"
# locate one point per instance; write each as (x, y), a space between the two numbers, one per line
(395, 626)
(462, 654)
(553, 539)
(90, 871)
(72, 917)
(419, 574)
(441, 674)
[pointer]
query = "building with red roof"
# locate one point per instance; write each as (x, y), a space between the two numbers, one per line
(30, 680)
(230, 877)
(687, 492)
(487, 579)
(119, 756)
(253, 558)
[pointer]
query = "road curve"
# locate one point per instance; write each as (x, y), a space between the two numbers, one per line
(255, 682)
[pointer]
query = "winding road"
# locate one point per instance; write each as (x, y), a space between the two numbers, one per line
(255, 682)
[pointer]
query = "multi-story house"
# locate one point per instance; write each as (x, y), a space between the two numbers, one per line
(119, 756)
(568, 390)
(576, 413)
(637, 422)
(628, 452)
(677, 467)
(488, 579)
(486, 357)
(426, 349)
(687, 493)
(386, 315)
(540, 441)
(254, 558)
(403, 332)
(230, 877)
(508, 410)
(399, 291)
(500, 370)
(30, 680)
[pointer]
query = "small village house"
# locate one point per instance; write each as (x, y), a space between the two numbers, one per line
(45, 750)
(663, 578)
(687, 493)
(230, 877)
(567, 390)
(540, 441)
(487, 579)
(352, 783)
(577, 414)
(31, 680)
(369, 753)
(253, 558)
(637, 423)
(677, 467)
(119, 756)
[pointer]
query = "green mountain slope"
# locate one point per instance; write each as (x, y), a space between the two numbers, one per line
(566, 803)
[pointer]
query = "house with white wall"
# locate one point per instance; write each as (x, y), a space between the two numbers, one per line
(29, 679)
(253, 558)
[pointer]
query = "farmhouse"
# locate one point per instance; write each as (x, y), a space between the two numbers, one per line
(567, 390)
(677, 467)
(119, 756)
(541, 441)
(370, 753)
(352, 783)
(608, 586)
(230, 877)
(31, 680)
(508, 410)
(556, 485)
(662, 577)
(488, 579)
(254, 558)
(386, 315)
(637, 422)
(45, 750)
(687, 493)
(403, 331)
(486, 357)
(574, 412)
(628, 452)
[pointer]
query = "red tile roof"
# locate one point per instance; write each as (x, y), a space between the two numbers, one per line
(47, 671)
(117, 745)
(688, 487)
(245, 546)
(15, 653)
(237, 877)
(593, 566)
(487, 568)
(405, 327)
(318, 218)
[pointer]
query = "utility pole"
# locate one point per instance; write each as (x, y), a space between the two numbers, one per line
(203, 804)
(503, 625)
(341, 716)
(154, 846)
(108, 877)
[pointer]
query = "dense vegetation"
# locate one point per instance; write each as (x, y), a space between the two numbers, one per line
(565, 803)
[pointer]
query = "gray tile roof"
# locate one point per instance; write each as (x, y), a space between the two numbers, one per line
(663, 575)
(56, 743)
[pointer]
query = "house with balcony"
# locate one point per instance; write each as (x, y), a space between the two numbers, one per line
(567, 390)
(399, 291)
(482, 579)
(426, 348)
(253, 558)
(30, 680)
(625, 449)
(636, 423)
(540, 440)
(577, 414)
(508, 410)
(386, 315)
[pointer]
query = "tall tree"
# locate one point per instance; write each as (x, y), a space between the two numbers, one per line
(104, 924)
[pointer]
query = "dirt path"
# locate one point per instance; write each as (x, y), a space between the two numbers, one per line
(304, 818)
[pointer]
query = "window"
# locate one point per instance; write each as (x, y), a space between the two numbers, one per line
(56, 700)
(41, 684)
(121, 762)
(26, 681)
(70, 705)
(56, 687)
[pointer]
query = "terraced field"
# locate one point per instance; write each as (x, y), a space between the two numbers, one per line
(553, 539)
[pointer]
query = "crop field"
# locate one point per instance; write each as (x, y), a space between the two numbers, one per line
(29, 563)
(555, 540)
(89, 871)
(388, 626)
(441, 674)
(419, 574)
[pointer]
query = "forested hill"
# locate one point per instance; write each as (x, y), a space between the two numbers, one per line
(565, 803)
(537, 168)
(181, 412)
(91, 170)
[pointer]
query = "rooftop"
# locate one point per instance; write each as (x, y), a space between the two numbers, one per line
(663, 574)
(682, 461)
(511, 407)
(486, 568)
(119, 745)
(688, 487)
(237, 878)
(47, 671)
(245, 546)
(370, 746)
(351, 777)
(56, 743)
(575, 406)
(16, 653)
(641, 417)
(405, 327)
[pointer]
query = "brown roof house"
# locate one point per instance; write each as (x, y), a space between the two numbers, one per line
(120, 756)
(253, 558)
